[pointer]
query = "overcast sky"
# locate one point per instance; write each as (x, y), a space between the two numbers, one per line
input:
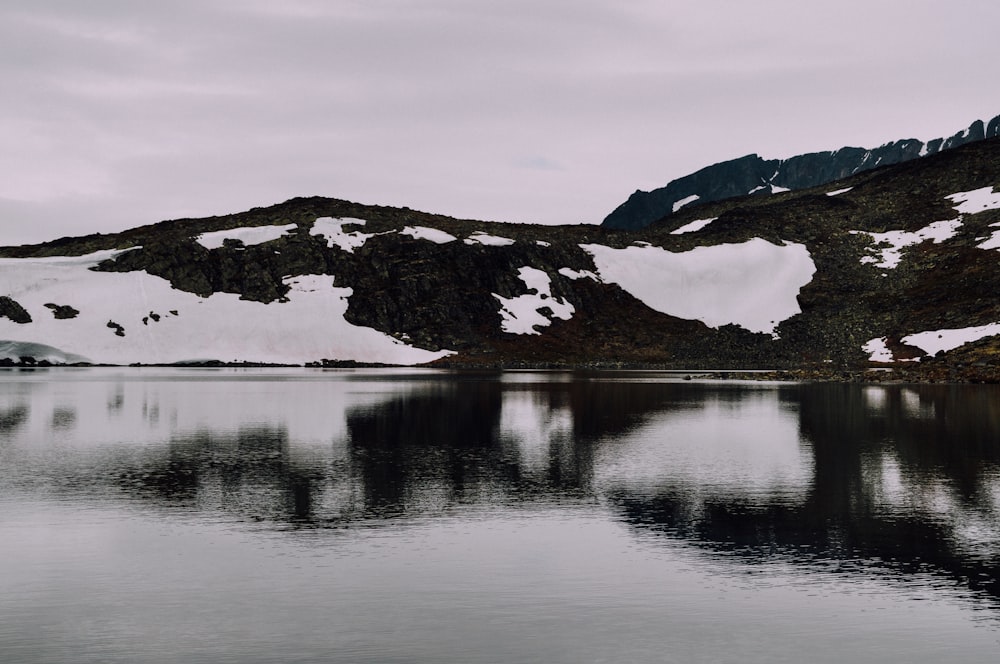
(118, 113)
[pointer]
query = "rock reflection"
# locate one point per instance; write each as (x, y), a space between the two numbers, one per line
(63, 418)
(13, 418)
(116, 398)
(899, 475)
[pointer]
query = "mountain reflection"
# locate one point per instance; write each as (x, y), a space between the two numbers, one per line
(843, 478)
(905, 479)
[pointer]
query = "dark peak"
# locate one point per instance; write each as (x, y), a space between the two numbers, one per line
(750, 174)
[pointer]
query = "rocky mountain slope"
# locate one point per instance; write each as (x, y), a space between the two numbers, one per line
(886, 266)
(753, 175)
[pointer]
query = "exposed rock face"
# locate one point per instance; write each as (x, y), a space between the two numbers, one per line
(753, 175)
(9, 308)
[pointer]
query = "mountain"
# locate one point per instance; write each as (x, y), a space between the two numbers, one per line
(753, 175)
(887, 266)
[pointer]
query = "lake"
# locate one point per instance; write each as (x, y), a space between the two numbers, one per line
(294, 515)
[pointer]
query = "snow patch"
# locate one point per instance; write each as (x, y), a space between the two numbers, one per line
(15, 350)
(431, 234)
(992, 242)
(685, 201)
(933, 341)
(877, 350)
(578, 274)
(693, 226)
(889, 256)
(248, 236)
(838, 192)
(309, 326)
(977, 200)
(753, 284)
(523, 313)
(332, 230)
(480, 237)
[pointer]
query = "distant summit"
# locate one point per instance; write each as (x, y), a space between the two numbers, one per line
(753, 175)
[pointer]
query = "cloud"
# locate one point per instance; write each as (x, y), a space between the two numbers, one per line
(515, 110)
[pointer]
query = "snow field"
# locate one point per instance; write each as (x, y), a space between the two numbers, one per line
(889, 256)
(248, 236)
(877, 350)
(578, 274)
(687, 200)
(521, 314)
(310, 326)
(753, 284)
(332, 230)
(480, 237)
(976, 200)
(693, 226)
(933, 341)
(430, 234)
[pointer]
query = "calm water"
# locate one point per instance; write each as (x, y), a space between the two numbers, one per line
(153, 515)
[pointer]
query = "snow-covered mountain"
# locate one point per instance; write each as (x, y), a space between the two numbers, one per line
(753, 175)
(889, 265)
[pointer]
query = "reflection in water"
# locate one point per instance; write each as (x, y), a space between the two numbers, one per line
(11, 418)
(904, 479)
(890, 480)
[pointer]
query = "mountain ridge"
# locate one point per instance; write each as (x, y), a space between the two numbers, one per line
(752, 174)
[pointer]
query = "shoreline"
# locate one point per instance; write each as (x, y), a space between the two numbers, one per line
(932, 372)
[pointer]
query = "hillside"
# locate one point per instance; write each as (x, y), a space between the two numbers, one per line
(889, 265)
(756, 176)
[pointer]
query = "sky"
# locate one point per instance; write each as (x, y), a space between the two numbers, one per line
(118, 113)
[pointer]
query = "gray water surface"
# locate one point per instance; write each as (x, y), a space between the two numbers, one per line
(182, 515)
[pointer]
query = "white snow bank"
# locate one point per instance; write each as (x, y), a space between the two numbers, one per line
(933, 341)
(14, 350)
(248, 236)
(877, 350)
(578, 274)
(838, 192)
(332, 230)
(685, 201)
(521, 314)
(163, 325)
(434, 235)
(890, 255)
(480, 237)
(993, 242)
(753, 284)
(977, 200)
(693, 226)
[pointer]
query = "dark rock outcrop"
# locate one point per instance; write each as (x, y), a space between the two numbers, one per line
(752, 174)
(63, 311)
(12, 309)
